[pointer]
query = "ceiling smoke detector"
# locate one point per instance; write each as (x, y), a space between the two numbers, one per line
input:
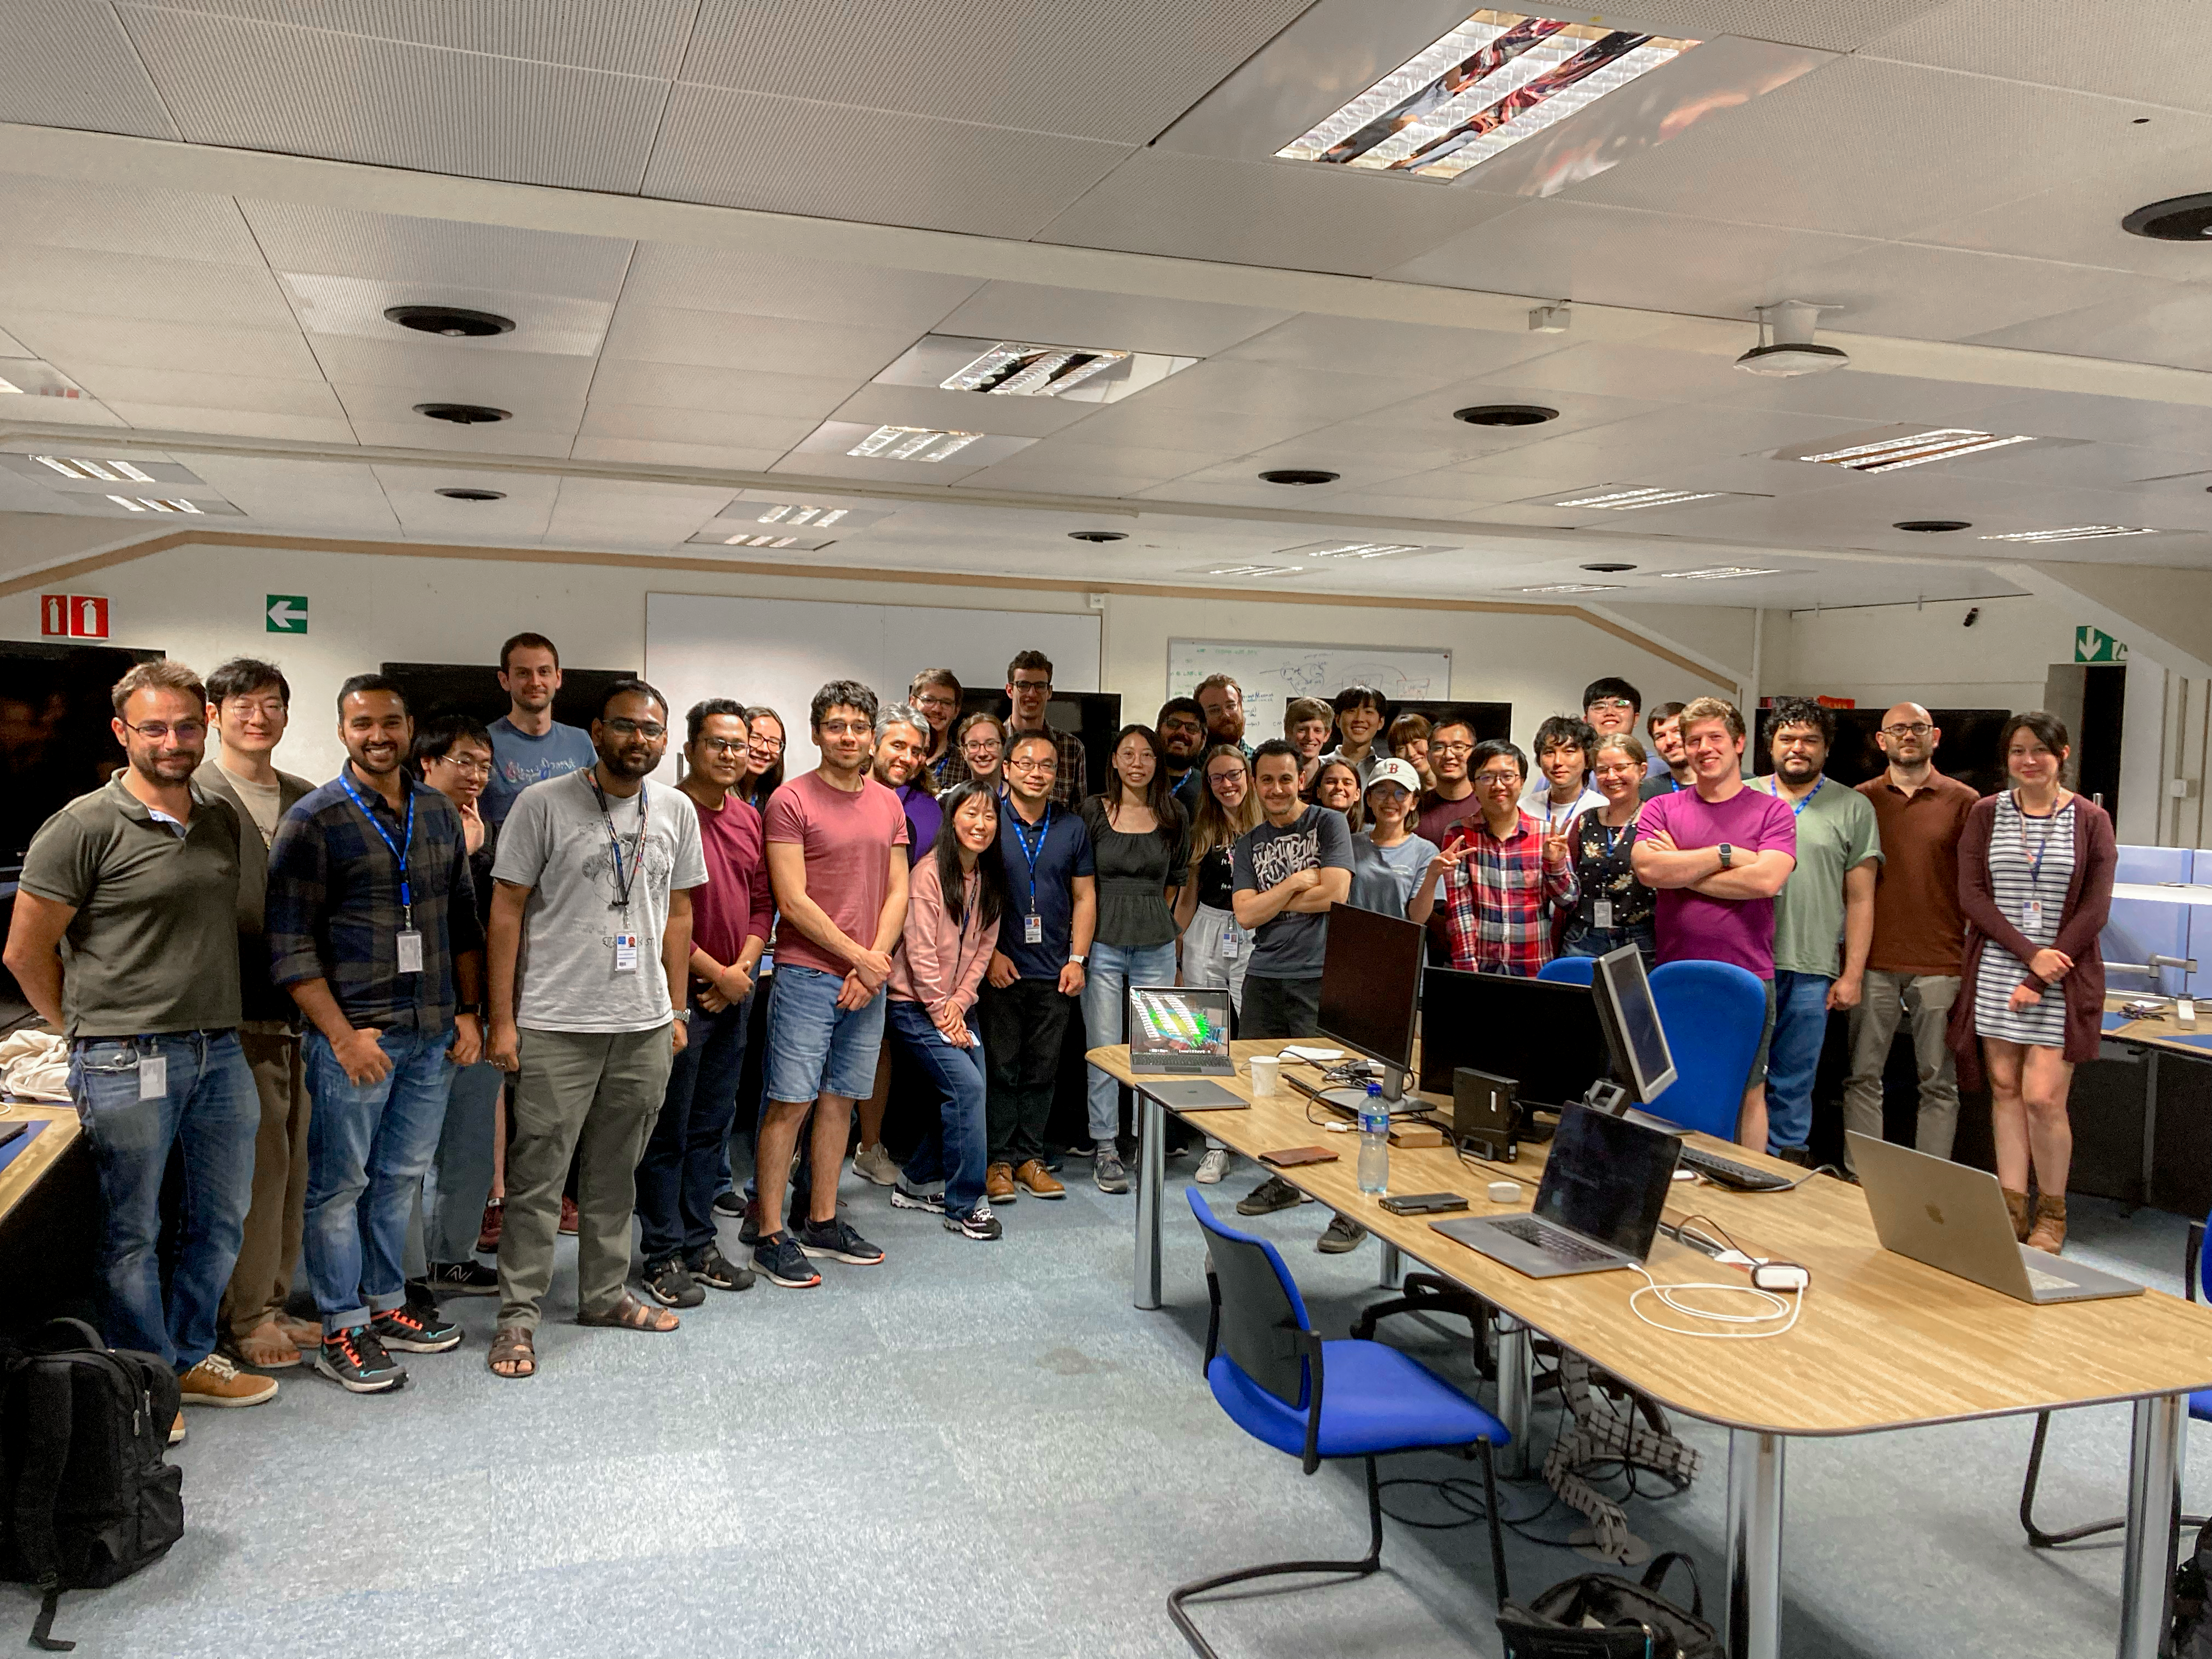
(1609, 568)
(1506, 414)
(457, 494)
(1098, 535)
(2177, 219)
(1932, 527)
(464, 414)
(451, 321)
(1790, 350)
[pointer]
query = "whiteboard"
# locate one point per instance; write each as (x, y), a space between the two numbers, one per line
(780, 652)
(1272, 673)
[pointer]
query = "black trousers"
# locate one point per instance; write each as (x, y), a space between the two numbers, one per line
(1023, 1027)
(1280, 1007)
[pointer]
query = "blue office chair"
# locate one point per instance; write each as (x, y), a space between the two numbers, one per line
(1711, 1012)
(1282, 1384)
(1569, 970)
(2196, 1269)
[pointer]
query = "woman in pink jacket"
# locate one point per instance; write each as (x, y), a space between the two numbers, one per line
(955, 899)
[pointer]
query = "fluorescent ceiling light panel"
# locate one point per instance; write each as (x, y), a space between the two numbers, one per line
(72, 466)
(1019, 368)
(865, 440)
(2080, 532)
(716, 535)
(1355, 551)
(33, 379)
(913, 443)
(762, 516)
(1627, 498)
(98, 474)
(1720, 573)
(1245, 570)
(1012, 370)
(1916, 449)
(1576, 587)
(1498, 78)
(153, 504)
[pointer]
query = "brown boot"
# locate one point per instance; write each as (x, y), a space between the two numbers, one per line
(2050, 1231)
(2022, 1213)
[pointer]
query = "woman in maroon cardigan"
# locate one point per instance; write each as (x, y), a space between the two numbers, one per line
(2035, 881)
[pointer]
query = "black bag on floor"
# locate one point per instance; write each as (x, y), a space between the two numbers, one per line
(1600, 1616)
(86, 1494)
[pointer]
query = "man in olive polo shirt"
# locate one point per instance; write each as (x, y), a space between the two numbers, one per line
(124, 937)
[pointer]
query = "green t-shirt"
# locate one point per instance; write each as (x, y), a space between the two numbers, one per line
(1836, 833)
(153, 944)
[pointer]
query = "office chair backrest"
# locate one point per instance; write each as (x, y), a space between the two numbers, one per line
(1569, 970)
(1711, 1012)
(1260, 1318)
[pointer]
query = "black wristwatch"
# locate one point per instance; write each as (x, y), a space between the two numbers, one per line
(473, 1008)
(1728, 854)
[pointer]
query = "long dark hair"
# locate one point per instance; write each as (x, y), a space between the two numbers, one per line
(2049, 730)
(1159, 794)
(990, 870)
(754, 788)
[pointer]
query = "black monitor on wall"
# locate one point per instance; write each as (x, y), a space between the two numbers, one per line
(1968, 749)
(1371, 988)
(473, 688)
(56, 743)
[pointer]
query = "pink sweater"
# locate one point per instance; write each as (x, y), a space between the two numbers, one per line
(936, 964)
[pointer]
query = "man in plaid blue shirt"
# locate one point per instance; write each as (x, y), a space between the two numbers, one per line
(373, 928)
(1498, 872)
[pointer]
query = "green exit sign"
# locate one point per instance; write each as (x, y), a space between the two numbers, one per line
(2094, 645)
(285, 613)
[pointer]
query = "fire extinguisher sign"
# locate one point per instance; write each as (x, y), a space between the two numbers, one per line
(73, 616)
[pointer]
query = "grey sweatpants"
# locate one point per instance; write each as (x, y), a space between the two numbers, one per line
(1925, 1001)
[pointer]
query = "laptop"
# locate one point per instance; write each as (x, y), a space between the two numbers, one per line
(1178, 1038)
(1953, 1218)
(1598, 1206)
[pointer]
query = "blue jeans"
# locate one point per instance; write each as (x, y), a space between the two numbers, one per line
(1107, 977)
(1793, 1055)
(956, 1148)
(368, 1146)
(1596, 941)
(685, 1166)
(816, 1048)
(212, 1110)
(459, 1185)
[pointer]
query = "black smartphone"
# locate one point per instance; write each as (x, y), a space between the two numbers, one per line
(1424, 1203)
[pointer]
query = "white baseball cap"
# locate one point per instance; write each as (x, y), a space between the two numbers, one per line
(1396, 771)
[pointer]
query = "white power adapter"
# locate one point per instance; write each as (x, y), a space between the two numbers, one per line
(1779, 1276)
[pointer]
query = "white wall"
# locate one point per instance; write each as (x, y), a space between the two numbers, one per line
(1881, 655)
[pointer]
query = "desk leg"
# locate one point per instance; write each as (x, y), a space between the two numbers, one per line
(2150, 1127)
(1152, 1176)
(1394, 1269)
(1754, 1544)
(2153, 1501)
(1516, 1386)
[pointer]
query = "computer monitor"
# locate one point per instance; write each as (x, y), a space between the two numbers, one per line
(1543, 1035)
(1371, 988)
(1634, 1038)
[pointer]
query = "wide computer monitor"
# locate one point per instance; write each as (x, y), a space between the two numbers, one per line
(1371, 988)
(1543, 1034)
(1634, 1038)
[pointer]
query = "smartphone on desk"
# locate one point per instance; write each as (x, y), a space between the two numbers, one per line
(1424, 1203)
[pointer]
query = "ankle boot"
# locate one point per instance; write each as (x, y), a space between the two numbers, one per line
(2022, 1213)
(2050, 1231)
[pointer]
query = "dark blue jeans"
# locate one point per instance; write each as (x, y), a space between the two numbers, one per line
(686, 1160)
(1792, 1057)
(1597, 941)
(956, 1149)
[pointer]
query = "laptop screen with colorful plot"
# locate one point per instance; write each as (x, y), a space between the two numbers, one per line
(1179, 1030)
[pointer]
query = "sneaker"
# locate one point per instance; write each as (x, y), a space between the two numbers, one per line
(215, 1382)
(462, 1278)
(874, 1164)
(357, 1362)
(999, 1183)
(904, 1197)
(978, 1222)
(1032, 1178)
(1270, 1195)
(837, 1241)
(1213, 1166)
(749, 1229)
(176, 1429)
(779, 1260)
(731, 1204)
(487, 1232)
(717, 1272)
(668, 1284)
(413, 1331)
(567, 1215)
(1107, 1169)
(1342, 1234)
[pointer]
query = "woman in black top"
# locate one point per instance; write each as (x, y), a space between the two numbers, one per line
(1613, 908)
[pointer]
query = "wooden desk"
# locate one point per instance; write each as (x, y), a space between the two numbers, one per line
(2157, 1037)
(1883, 1342)
(23, 1171)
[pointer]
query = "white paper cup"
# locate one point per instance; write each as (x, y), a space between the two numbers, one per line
(1266, 1068)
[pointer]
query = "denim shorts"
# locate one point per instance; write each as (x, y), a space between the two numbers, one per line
(814, 1046)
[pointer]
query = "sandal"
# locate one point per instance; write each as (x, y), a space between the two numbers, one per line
(631, 1315)
(512, 1347)
(267, 1348)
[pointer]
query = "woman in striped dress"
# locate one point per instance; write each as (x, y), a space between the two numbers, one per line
(2035, 881)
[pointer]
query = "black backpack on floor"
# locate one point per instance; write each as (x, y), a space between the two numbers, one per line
(1602, 1616)
(87, 1495)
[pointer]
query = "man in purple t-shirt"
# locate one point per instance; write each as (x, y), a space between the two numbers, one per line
(1717, 854)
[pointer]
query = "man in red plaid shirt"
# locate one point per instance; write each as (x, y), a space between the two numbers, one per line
(1498, 872)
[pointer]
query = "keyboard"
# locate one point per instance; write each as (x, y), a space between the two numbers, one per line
(1729, 1173)
(1554, 1242)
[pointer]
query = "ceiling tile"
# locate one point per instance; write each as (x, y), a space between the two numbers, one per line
(729, 340)
(818, 465)
(2077, 219)
(769, 434)
(428, 372)
(69, 63)
(1800, 22)
(137, 286)
(2137, 49)
(1417, 356)
(639, 37)
(2175, 329)
(962, 411)
(446, 252)
(381, 424)
(1630, 370)
(1313, 395)
(71, 341)
(762, 285)
(1201, 433)
(1948, 294)
(362, 308)
(171, 224)
(726, 391)
(1061, 316)
(187, 388)
(2113, 420)
(654, 452)
(1858, 394)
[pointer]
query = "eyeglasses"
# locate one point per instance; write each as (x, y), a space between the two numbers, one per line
(651, 731)
(1035, 763)
(1494, 780)
(161, 730)
(766, 745)
(1449, 749)
(474, 769)
(1917, 729)
(267, 708)
(1609, 702)
(725, 746)
(845, 728)
(936, 702)
(982, 746)
(1031, 685)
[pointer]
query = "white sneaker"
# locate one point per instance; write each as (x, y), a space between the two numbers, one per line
(1213, 1165)
(874, 1164)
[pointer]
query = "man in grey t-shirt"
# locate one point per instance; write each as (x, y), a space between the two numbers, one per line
(590, 948)
(1287, 870)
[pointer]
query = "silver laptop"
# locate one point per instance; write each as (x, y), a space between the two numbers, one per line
(1178, 1038)
(1953, 1218)
(1604, 1184)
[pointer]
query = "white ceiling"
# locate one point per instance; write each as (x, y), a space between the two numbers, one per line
(1948, 172)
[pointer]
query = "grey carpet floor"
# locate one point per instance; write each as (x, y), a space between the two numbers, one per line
(986, 1446)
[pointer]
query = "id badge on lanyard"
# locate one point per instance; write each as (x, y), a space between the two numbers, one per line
(2030, 916)
(1033, 929)
(409, 941)
(1232, 939)
(1602, 915)
(625, 953)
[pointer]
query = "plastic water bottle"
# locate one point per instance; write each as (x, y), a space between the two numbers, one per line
(1374, 1142)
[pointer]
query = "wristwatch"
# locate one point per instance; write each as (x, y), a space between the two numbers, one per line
(1728, 854)
(1077, 960)
(474, 1008)
(684, 1014)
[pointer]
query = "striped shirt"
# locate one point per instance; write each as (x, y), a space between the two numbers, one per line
(1494, 899)
(2031, 862)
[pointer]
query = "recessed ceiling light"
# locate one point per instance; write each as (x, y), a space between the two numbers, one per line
(1609, 568)
(2080, 532)
(1506, 414)
(1497, 79)
(74, 466)
(1917, 449)
(153, 504)
(1098, 535)
(458, 494)
(2177, 219)
(1577, 588)
(1720, 573)
(1354, 549)
(1628, 500)
(1247, 570)
(1010, 370)
(464, 414)
(1298, 475)
(757, 541)
(912, 443)
(795, 514)
(1932, 527)
(450, 321)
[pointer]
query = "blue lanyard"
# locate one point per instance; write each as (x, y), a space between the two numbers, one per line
(1797, 808)
(399, 852)
(1030, 854)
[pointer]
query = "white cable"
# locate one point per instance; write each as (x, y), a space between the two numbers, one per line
(1782, 1308)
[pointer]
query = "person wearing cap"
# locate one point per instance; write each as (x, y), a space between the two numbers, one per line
(1387, 857)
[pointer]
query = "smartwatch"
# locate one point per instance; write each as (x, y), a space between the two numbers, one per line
(473, 1008)
(1077, 960)
(1728, 854)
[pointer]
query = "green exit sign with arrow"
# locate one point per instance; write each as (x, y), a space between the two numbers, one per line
(287, 613)
(2090, 644)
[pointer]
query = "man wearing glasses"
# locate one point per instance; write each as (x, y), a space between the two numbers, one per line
(124, 938)
(1496, 873)
(935, 694)
(1453, 801)
(1028, 688)
(1913, 965)
(1181, 725)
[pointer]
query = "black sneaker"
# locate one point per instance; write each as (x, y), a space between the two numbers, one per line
(731, 1204)
(1107, 1169)
(904, 1197)
(978, 1222)
(412, 1331)
(837, 1241)
(668, 1284)
(717, 1272)
(749, 1232)
(1270, 1195)
(357, 1362)
(1342, 1235)
(779, 1260)
(462, 1278)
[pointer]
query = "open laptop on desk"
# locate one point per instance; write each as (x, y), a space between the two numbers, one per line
(1178, 1038)
(1598, 1206)
(1953, 1218)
